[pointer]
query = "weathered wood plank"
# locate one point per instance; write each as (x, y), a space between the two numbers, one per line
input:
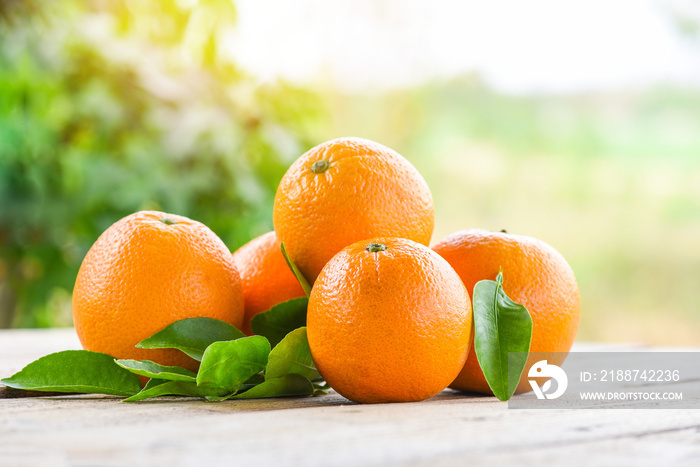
(450, 429)
(328, 429)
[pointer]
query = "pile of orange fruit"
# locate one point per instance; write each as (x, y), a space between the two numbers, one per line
(389, 319)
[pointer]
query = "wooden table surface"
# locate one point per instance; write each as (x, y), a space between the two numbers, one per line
(449, 429)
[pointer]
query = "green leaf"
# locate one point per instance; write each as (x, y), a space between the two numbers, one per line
(153, 382)
(192, 336)
(500, 326)
(174, 388)
(227, 365)
(321, 389)
(280, 320)
(287, 385)
(76, 371)
(292, 356)
(251, 383)
(255, 379)
(297, 273)
(154, 370)
(222, 397)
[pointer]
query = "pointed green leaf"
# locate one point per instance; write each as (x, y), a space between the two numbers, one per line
(174, 388)
(76, 371)
(153, 370)
(292, 356)
(222, 397)
(297, 273)
(500, 326)
(251, 383)
(227, 365)
(280, 320)
(255, 379)
(192, 336)
(287, 385)
(153, 382)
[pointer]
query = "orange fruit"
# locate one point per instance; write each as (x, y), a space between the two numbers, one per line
(266, 278)
(147, 271)
(344, 191)
(535, 275)
(388, 321)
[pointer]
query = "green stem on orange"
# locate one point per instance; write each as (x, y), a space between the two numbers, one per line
(375, 247)
(297, 273)
(320, 166)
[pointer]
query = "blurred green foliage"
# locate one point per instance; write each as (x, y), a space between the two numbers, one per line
(109, 107)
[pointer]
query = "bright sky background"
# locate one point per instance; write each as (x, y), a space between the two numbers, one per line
(517, 46)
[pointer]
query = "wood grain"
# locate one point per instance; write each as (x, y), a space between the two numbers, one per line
(449, 429)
